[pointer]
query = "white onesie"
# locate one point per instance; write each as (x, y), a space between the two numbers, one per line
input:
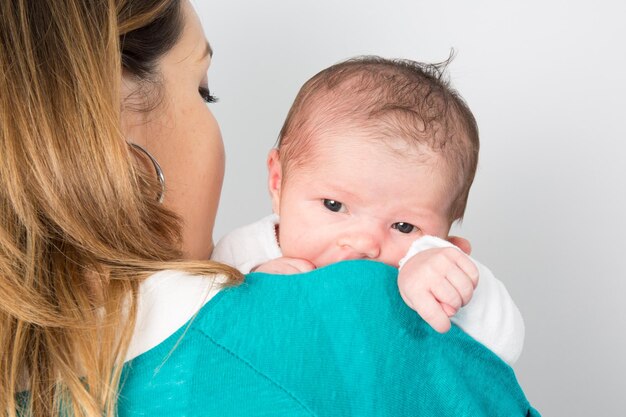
(491, 317)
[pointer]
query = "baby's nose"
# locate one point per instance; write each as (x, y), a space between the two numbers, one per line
(360, 245)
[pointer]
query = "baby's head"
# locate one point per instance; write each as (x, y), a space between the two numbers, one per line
(373, 154)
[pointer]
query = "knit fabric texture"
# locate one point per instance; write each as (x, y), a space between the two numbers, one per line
(337, 341)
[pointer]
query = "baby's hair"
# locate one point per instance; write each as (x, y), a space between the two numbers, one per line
(387, 98)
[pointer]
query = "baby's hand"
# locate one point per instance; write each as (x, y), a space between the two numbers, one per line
(285, 266)
(437, 283)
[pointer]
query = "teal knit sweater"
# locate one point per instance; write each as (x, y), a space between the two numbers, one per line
(338, 341)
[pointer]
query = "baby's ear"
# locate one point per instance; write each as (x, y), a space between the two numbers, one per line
(275, 178)
(461, 243)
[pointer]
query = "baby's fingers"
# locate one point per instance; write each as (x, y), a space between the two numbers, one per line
(450, 311)
(445, 293)
(432, 313)
(299, 265)
(285, 266)
(466, 265)
(462, 283)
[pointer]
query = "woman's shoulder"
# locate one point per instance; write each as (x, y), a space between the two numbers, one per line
(169, 299)
(346, 325)
(246, 348)
(166, 301)
(334, 341)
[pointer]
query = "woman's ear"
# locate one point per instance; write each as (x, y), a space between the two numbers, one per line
(275, 178)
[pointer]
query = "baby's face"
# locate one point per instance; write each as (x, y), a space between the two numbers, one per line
(359, 199)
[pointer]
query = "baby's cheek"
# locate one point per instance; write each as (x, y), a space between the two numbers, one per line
(396, 253)
(324, 259)
(315, 251)
(298, 246)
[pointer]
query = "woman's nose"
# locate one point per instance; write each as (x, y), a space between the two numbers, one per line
(360, 245)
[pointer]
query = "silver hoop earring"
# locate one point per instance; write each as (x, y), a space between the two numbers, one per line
(157, 169)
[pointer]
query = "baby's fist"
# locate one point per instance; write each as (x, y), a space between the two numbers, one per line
(285, 266)
(436, 283)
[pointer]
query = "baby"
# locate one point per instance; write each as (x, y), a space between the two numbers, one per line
(375, 161)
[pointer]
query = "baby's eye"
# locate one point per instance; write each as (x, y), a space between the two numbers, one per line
(403, 227)
(333, 205)
(206, 95)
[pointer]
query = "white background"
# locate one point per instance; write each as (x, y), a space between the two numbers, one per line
(546, 82)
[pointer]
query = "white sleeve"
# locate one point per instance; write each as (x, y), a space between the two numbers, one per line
(491, 317)
(166, 301)
(249, 246)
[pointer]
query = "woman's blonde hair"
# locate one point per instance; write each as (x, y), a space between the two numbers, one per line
(80, 226)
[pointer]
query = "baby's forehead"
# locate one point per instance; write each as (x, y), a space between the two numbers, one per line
(328, 122)
(365, 151)
(392, 175)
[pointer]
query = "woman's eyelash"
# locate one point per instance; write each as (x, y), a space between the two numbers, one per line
(206, 95)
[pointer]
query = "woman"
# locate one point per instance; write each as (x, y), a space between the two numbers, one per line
(96, 198)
